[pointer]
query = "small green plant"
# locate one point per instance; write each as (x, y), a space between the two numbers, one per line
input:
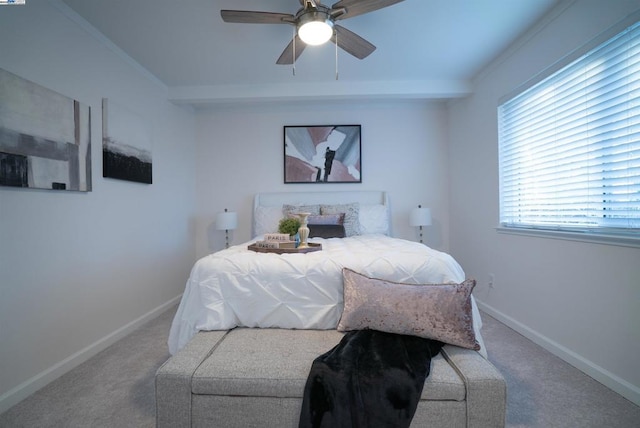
(289, 225)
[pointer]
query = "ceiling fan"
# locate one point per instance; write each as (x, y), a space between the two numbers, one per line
(315, 24)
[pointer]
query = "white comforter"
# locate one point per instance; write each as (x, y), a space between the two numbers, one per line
(239, 287)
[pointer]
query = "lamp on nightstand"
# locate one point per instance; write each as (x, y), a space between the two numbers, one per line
(226, 221)
(420, 217)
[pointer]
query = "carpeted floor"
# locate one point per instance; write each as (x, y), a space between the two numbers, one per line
(116, 387)
(543, 391)
(113, 389)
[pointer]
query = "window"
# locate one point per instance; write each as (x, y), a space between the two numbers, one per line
(569, 146)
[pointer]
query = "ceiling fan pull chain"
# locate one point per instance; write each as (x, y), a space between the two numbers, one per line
(336, 54)
(294, 51)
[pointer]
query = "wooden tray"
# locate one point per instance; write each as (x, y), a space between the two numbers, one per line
(311, 248)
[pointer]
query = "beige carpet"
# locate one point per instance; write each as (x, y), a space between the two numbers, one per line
(116, 389)
(543, 391)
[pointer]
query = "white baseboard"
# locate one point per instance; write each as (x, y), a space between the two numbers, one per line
(605, 377)
(25, 389)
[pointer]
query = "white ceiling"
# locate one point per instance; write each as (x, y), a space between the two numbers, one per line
(425, 48)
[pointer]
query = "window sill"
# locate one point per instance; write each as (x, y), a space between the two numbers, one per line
(618, 240)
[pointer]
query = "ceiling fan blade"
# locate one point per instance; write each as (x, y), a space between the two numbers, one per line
(359, 7)
(352, 43)
(250, 17)
(287, 55)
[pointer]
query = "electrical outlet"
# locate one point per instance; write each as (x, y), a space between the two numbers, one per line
(492, 279)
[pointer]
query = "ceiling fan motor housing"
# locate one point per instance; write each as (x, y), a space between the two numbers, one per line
(315, 25)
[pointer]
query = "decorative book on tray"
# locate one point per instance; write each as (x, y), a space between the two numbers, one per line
(281, 243)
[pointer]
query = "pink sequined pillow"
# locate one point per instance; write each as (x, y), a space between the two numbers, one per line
(432, 311)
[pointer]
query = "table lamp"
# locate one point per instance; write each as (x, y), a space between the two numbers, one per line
(420, 217)
(226, 221)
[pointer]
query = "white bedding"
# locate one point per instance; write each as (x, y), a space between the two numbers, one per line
(239, 287)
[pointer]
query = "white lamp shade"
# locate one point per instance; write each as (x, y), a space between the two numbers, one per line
(420, 217)
(226, 220)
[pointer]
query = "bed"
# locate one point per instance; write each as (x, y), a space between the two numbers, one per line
(250, 326)
(238, 287)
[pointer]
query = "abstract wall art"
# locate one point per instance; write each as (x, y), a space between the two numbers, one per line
(45, 137)
(322, 154)
(126, 144)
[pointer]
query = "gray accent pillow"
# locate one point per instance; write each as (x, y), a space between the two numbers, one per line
(326, 231)
(295, 209)
(433, 311)
(351, 216)
(336, 219)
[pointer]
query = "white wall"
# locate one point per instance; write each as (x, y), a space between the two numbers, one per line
(240, 153)
(578, 299)
(79, 270)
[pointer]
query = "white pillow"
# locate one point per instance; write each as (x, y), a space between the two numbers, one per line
(266, 220)
(374, 219)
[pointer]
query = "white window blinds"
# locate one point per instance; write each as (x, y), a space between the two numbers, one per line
(570, 145)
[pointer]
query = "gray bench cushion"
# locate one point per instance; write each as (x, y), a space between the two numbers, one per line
(262, 362)
(275, 363)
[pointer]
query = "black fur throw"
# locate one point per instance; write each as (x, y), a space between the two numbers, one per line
(370, 379)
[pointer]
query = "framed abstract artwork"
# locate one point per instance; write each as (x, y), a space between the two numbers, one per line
(45, 137)
(322, 154)
(126, 144)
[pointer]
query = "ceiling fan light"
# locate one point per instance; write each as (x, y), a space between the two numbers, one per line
(315, 32)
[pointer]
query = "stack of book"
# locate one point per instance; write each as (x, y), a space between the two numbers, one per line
(276, 240)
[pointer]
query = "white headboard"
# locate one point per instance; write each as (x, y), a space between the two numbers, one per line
(367, 198)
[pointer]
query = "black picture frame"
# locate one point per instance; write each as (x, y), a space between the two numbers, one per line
(323, 154)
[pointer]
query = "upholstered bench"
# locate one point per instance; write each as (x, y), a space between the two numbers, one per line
(249, 377)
